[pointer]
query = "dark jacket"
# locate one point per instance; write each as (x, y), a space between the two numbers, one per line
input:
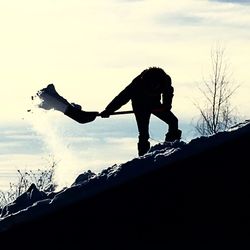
(141, 91)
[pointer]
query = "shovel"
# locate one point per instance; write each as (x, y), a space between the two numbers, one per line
(52, 100)
(87, 116)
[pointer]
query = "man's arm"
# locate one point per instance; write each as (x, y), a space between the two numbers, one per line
(121, 99)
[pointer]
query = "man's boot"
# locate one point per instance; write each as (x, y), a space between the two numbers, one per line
(173, 135)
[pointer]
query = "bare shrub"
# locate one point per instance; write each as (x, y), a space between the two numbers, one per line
(42, 178)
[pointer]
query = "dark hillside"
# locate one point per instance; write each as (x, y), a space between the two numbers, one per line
(202, 196)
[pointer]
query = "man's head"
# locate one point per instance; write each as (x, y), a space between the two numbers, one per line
(155, 78)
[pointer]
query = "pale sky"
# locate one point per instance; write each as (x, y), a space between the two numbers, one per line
(92, 49)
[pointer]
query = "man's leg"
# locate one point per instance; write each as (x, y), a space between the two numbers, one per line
(168, 117)
(142, 119)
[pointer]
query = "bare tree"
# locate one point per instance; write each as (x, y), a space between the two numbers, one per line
(216, 113)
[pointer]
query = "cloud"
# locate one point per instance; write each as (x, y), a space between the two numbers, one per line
(180, 19)
(233, 1)
(19, 140)
(205, 15)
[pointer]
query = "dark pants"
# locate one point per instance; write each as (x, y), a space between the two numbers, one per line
(143, 109)
(143, 118)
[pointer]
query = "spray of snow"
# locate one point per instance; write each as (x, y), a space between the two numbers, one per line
(46, 124)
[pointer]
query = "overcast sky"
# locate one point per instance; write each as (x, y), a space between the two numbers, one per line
(92, 49)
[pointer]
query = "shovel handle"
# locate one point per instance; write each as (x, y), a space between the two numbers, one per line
(120, 113)
(123, 112)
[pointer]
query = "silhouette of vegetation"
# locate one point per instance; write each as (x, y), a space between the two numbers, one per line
(43, 179)
(217, 113)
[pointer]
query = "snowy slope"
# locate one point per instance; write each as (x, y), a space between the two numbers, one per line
(171, 162)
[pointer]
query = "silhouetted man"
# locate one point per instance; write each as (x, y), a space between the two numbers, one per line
(151, 92)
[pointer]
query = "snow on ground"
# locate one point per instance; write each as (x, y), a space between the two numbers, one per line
(34, 203)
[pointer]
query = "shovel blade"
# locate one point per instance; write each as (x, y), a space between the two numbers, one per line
(80, 115)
